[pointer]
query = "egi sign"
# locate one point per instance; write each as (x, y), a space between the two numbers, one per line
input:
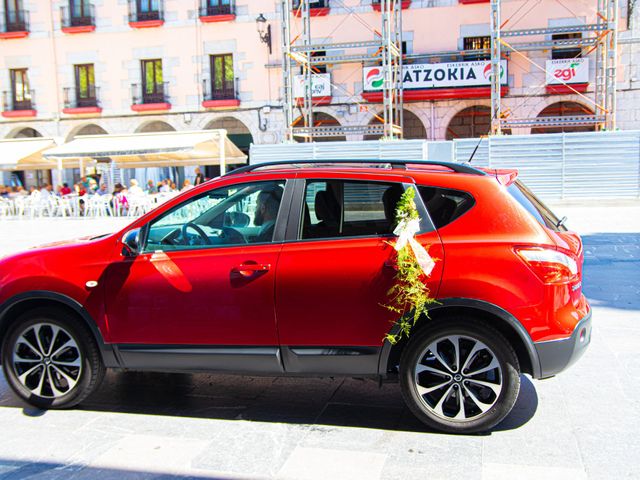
(567, 70)
(422, 76)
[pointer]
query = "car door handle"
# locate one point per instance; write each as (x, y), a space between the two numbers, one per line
(249, 269)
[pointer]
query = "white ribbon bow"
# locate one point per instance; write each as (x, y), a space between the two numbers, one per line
(406, 231)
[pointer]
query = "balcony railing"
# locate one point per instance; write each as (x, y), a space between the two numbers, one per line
(226, 92)
(139, 13)
(377, 4)
(11, 104)
(313, 4)
(72, 98)
(141, 95)
(71, 17)
(14, 21)
(209, 8)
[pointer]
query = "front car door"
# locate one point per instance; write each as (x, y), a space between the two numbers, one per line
(335, 273)
(200, 294)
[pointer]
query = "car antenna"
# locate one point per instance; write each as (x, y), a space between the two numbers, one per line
(476, 149)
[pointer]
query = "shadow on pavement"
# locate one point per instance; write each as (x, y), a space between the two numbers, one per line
(611, 276)
(18, 470)
(314, 401)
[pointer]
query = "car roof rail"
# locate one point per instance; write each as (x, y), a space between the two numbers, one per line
(456, 167)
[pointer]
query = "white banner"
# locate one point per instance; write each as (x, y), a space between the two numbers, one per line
(422, 76)
(320, 85)
(567, 70)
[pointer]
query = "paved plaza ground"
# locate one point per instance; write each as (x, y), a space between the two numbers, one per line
(583, 424)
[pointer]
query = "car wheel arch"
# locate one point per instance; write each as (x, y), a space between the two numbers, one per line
(481, 311)
(13, 308)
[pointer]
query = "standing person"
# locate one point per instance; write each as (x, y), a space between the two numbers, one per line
(199, 177)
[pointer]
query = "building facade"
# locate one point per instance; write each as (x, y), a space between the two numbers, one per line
(78, 67)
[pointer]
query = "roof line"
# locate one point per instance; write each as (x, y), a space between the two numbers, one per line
(456, 167)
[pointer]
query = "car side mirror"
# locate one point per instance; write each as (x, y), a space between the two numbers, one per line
(131, 243)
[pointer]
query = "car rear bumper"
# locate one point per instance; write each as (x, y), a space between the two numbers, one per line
(558, 355)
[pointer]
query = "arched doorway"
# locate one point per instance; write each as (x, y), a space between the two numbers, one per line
(155, 126)
(565, 109)
(175, 173)
(471, 122)
(237, 132)
(26, 132)
(321, 119)
(413, 128)
(100, 172)
(90, 129)
(29, 178)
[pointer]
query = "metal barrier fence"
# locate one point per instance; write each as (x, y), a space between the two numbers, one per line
(555, 166)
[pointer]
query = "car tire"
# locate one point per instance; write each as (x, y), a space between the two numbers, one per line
(51, 359)
(467, 389)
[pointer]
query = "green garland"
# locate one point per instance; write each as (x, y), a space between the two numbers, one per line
(409, 296)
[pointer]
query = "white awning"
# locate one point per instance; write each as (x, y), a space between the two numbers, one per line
(27, 154)
(162, 149)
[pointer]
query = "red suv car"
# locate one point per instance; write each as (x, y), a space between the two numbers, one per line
(282, 269)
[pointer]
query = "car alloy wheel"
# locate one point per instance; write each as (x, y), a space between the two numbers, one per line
(458, 378)
(47, 360)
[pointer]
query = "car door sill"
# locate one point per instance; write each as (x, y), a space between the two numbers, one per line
(260, 360)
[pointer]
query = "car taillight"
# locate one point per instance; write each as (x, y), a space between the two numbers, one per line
(551, 266)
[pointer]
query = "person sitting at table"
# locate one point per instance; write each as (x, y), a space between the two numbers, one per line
(151, 188)
(186, 185)
(134, 188)
(102, 190)
(65, 190)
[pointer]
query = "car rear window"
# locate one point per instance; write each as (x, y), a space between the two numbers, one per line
(445, 204)
(535, 207)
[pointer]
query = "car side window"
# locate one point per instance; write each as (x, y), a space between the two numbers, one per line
(345, 208)
(445, 204)
(234, 215)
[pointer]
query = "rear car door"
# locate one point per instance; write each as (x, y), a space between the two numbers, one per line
(335, 272)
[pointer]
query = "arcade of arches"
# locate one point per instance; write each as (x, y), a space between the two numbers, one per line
(320, 119)
(565, 109)
(413, 127)
(237, 132)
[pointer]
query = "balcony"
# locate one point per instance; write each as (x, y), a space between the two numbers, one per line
(76, 104)
(14, 108)
(318, 8)
(377, 4)
(145, 99)
(217, 11)
(78, 19)
(142, 17)
(14, 24)
(220, 98)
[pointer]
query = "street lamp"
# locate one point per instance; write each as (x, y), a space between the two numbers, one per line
(264, 30)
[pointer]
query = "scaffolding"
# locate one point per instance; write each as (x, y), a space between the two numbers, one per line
(604, 41)
(299, 51)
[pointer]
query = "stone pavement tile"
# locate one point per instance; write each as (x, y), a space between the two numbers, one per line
(292, 400)
(546, 439)
(433, 456)
(431, 471)
(349, 438)
(369, 392)
(249, 449)
(501, 471)
(323, 463)
(362, 415)
(152, 453)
